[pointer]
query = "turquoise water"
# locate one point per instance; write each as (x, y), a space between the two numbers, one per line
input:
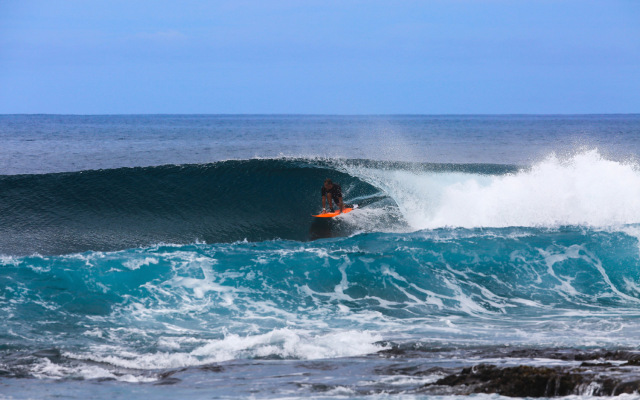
(212, 280)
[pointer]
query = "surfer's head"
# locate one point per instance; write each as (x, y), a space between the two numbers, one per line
(328, 184)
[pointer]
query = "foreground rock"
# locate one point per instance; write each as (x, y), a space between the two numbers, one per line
(530, 381)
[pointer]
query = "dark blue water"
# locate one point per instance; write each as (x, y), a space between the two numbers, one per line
(176, 256)
(55, 143)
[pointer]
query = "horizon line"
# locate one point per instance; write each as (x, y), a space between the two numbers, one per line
(319, 114)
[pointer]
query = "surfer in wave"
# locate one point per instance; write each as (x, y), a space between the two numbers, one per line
(331, 193)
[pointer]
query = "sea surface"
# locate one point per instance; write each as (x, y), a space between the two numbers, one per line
(175, 256)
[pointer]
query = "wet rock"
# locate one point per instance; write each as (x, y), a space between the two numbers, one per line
(533, 381)
(212, 368)
(168, 381)
(51, 354)
(521, 381)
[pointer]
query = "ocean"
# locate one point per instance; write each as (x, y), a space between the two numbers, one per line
(175, 256)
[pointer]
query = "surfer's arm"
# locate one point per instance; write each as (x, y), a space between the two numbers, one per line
(330, 198)
(324, 200)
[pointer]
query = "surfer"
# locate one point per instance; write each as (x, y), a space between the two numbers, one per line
(333, 193)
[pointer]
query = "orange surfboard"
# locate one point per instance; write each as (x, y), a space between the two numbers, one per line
(333, 214)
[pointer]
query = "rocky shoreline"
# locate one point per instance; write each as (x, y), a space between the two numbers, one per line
(408, 369)
(528, 381)
(590, 373)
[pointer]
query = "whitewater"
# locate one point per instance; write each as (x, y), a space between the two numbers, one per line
(489, 256)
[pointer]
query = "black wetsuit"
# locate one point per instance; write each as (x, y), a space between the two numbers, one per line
(336, 194)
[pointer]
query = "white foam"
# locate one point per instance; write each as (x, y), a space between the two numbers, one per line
(402, 380)
(291, 343)
(134, 264)
(370, 219)
(94, 332)
(45, 369)
(9, 261)
(285, 342)
(585, 189)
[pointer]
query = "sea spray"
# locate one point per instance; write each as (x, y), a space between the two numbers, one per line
(584, 189)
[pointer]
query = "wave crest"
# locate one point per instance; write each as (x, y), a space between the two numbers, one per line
(585, 189)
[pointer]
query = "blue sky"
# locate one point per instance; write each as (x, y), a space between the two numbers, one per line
(320, 57)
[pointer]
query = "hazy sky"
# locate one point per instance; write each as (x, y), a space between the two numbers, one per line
(320, 57)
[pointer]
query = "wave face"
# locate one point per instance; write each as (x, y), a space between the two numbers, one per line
(129, 207)
(173, 306)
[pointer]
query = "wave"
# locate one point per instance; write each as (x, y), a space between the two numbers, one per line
(496, 270)
(130, 207)
(172, 306)
(584, 189)
(267, 199)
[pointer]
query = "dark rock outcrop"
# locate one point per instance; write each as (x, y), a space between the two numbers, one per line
(533, 381)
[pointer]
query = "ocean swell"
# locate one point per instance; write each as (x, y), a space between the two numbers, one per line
(269, 199)
(130, 207)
